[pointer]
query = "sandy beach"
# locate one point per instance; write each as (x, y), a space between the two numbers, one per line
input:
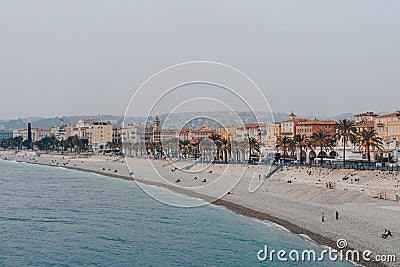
(296, 205)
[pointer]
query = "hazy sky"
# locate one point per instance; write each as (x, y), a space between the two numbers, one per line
(88, 57)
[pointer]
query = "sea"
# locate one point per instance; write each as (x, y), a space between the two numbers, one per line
(58, 217)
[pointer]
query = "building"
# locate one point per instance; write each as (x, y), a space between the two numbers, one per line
(310, 127)
(223, 132)
(388, 128)
(133, 137)
(79, 129)
(59, 131)
(4, 134)
(288, 127)
(161, 135)
(232, 132)
(272, 131)
(116, 134)
(365, 117)
(99, 133)
(156, 123)
(133, 133)
(203, 132)
(37, 134)
(364, 125)
(255, 130)
(240, 133)
(184, 134)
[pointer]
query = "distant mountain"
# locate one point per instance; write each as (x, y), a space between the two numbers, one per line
(47, 123)
(193, 120)
(343, 116)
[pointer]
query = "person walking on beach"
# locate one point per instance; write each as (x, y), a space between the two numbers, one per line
(337, 215)
(323, 217)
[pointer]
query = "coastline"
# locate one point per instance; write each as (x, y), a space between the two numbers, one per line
(239, 208)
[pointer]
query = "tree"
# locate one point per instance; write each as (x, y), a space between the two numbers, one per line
(158, 148)
(346, 131)
(225, 148)
(367, 140)
(75, 143)
(217, 141)
(283, 143)
(194, 148)
(301, 141)
(254, 145)
(14, 143)
(323, 139)
(184, 146)
(114, 146)
(241, 147)
(292, 147)
(150, 148)
(84, 143)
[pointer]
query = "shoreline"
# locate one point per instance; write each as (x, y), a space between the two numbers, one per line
(241, 209)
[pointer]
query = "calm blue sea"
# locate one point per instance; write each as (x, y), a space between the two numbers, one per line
(58, 217)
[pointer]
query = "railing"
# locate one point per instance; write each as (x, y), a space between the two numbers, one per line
(274, 170)
(190, 166)
(355, 166)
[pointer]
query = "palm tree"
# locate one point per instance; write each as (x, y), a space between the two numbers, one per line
(242, 147)
(292, 147)
(194, 149)
(368, 139)
(217, 141)
(225, 148)
(184, 146)
(346, 131)
(283, 143)
(254, 145)
(301, 141)
(323, 139)
(150, 148)
(159, 149)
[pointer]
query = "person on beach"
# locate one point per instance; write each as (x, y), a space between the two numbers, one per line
(386, 234)
(323, 217)
(337, 215)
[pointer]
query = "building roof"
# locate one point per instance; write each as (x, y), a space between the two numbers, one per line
(203, 130)
(184, 130)
(295, 120)
(254, 125)
(394, 114)
(317, 122)
(369, 113)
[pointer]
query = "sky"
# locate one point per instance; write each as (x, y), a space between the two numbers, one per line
(88, 57)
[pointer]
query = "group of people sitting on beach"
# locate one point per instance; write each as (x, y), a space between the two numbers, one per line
(330, 185)
(195, 178)
(386, 234)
